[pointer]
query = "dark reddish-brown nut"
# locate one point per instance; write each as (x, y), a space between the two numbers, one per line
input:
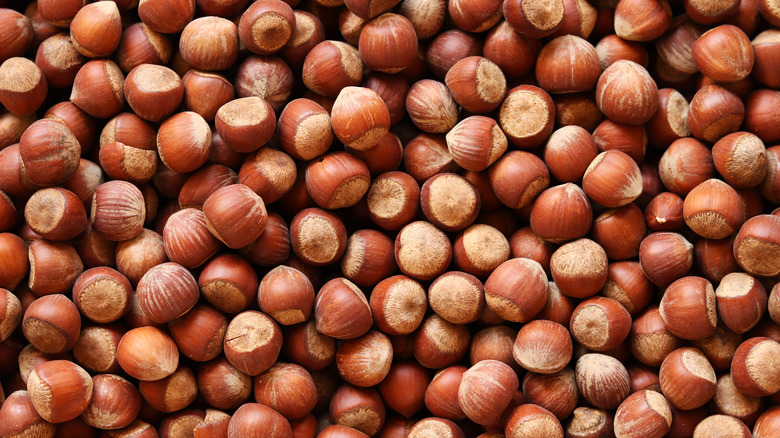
(337, 430)
(687, 379)
(600, 324)
(649, 340)
(494, 342)
(209, 43)
(359, 118)
(486, 390)
(187, 239)
(388, 43)
(517, 289)
(203, 183)
(684, 165)
(17, 34)
(358, 408)
(764, 49)
(118, 210)
(59, 60)
(577, 109)
(331, 66)
(561, 213)
(439, 343)
(287, 295)
(245, 124)
(83, 183)
(707, 13)
(19, 417)
(49, 153)
(665, 212)
(534, 18)
(222, 385)
(55, 214)
(527, 116)
(612, 179)
(476, 142)
(166, 16)
(365, 361)
(369, 258)
(767, 423)
(714, 112)
(392, 89)
(602, 380)
(426, 18)
(102, 294)
(309, 31)
(630, 139)
(235, 215)
(426, 155)
(741, 301)
(142, 45)
(59, 390)
(612, 48)
(318, 237)
(199, 333)
(23, 86)
(53, 267)
(129, 129)
(336, 299)
(414, 380)
(184, 142)
(252, 342)
(448, 48)
(304, 129)
(475, 17)
(713, 209)
(398, 305)
(287, 388)
(741, 159)
(422, 251)
(729, 401)
(153, 91)
(51, 324)
(719, 348)
(568, 64)
(268, 172)
(639, 21)
(256, 420)
(136, 256)
(431, 107)
(525, 420)
(441, 396)
(543, 347)
(205, 93)
(579, 268)
(304, 345)
(756, 246)
(688, 308)
(115, 403)
(555, 392)
(477, 84)
(98, 89)
(513, 52)
(266, 26)
(449, 201)
(568, 152)
(167, 291)
(457, 297)
(619, 231)
(518, 177)
(393, 200)
(665, 257)
(627, 78)
(337, 180)
(724, 53)
(128, 163)
(670, 122)
(172, 393)
(645, 414)
(753, 369)
(273, 246)
(760, 118)
(10, 313)
(228, 282)
(96, 29)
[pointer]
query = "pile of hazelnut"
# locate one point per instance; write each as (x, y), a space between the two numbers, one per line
(390, 218)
